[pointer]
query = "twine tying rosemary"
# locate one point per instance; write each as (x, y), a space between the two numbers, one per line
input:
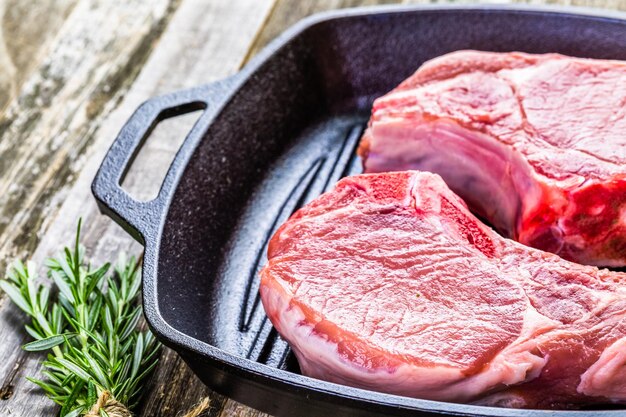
(114, 408)
(110, 405)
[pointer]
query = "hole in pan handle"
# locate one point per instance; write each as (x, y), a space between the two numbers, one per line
(141, 219)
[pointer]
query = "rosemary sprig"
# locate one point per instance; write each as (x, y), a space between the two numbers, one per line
(97, 355)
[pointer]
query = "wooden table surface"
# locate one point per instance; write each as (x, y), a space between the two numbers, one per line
(71, 73)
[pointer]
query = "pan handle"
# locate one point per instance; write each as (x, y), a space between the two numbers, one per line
(141, 219)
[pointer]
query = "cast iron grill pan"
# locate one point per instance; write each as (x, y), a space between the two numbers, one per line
(272, 138)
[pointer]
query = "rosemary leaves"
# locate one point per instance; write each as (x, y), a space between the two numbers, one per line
(98, 357)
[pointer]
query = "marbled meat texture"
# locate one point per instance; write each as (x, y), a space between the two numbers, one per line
(536, 144)
(389, 283)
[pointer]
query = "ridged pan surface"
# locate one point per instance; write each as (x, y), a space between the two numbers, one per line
(272, 138)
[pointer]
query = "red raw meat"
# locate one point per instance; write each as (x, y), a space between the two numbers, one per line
(389, 283)
(536, 144)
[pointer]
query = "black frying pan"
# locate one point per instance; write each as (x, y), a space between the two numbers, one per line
(273, 137)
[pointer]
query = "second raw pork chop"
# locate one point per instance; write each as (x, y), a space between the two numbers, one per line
(389, 283)
(534, 143)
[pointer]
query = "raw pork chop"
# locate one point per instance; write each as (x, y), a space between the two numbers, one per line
(389, 283)
(534, 143)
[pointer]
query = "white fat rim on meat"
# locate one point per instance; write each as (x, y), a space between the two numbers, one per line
(318, 358)
(607, 376)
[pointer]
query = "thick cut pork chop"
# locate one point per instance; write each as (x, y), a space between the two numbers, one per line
(534, 143)
(389, 283)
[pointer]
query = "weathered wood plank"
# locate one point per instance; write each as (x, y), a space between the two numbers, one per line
(201, 44)
(94, 56)
(97, 52)
(27, 33)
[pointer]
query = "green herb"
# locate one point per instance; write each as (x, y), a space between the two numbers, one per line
(97, 355)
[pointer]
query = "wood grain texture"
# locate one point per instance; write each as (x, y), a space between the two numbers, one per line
(27, 34)
(200, 45)
(91, 58)
(67, 89)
